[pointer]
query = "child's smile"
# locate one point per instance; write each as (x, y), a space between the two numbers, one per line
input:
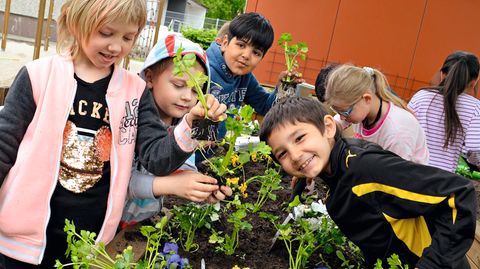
(301, 148)
(240, 56)
(106, 46)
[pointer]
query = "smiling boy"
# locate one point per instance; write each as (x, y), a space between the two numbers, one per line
(381, 202)
(248, 39)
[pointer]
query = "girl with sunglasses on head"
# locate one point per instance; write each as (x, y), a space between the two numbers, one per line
(362, 97)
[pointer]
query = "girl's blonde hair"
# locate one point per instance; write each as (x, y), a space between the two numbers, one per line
(347, 83)
(80, 18)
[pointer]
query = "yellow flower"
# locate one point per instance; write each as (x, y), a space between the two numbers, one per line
(236, 267)
(243, 188)
(254, 157)
(235, 159)
(232, 181)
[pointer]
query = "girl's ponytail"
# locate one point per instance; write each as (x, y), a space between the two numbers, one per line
(383, 90)
(460, 74)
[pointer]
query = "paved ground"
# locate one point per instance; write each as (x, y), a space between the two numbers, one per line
(17, 54)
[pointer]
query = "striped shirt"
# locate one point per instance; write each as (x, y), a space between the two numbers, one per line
(428, 107)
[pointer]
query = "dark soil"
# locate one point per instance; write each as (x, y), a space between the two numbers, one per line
(254, 248)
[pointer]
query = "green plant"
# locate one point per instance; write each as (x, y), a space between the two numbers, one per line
(85, 253)
(191, 217)
(291, 52)
(229, 242)
(200, 36)
(236, 126)
(270, 182)
(182, 66)
(310, 230)
(393, 262)
(464, 169)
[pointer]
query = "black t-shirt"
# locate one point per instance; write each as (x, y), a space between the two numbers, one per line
(83, 182)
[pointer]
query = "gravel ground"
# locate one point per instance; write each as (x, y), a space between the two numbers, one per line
(17, 54)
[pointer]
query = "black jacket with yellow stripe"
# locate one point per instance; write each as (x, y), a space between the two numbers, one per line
(388, 205)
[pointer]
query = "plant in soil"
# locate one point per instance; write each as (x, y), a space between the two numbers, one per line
(310, 230)
(291, 52)
(393, 263)
(205, 129)
(189, 218)
(85, 253)
(228, 242)
(231, 162)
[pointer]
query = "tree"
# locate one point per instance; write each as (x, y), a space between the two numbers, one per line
(224, 9)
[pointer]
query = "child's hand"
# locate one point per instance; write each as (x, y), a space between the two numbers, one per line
(220, 195)
(295, 77)
(189, 185)
(216, 111)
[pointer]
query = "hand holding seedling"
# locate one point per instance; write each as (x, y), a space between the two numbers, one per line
(293, 76)
(215, 110)
(220, 194)
(208, 106)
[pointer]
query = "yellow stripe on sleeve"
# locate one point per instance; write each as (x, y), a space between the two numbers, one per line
(367, 188)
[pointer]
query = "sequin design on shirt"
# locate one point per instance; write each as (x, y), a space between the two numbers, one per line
(81, 163)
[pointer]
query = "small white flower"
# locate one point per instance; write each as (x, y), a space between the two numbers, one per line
(319, 207)
(315, 223)
(299, 211)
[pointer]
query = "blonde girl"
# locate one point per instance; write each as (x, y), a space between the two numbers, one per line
(69, 131)
(362, 97)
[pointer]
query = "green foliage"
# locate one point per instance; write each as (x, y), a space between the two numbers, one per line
(191, 217)
(291, 52)
(236, 126)
(182, 66)
(85, 253)
(200, 36)
(229, 242)
(269, 183)
(225, 10)
(463, 169)
(393, 262)
(311, 230)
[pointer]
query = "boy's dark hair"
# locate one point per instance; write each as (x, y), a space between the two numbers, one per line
(292, 110)
(321, 81)
(253, 28)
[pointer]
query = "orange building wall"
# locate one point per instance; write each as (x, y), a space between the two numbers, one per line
(407, 40)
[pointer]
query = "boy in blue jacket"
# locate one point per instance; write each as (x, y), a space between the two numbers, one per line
(232, 60)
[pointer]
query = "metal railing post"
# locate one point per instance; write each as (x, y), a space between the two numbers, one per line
(6, 16)
(38, 34)
(160, 6)
(49, 23)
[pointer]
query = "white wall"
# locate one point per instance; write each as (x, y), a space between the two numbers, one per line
(194, 14)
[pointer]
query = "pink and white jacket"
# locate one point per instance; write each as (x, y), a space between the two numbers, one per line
(32, 124)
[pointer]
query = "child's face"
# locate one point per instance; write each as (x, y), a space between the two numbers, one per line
(108, 45)
(240, 56)
(301, 148)
(171, 93)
